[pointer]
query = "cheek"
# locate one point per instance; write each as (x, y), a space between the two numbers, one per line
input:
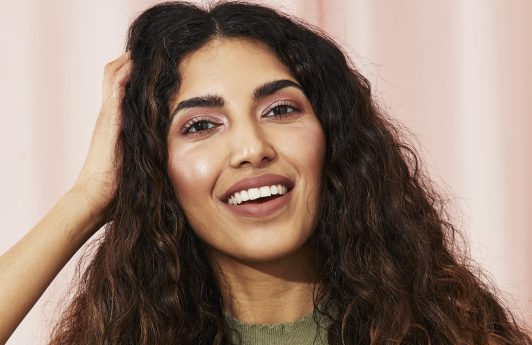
(192, 174)
(308, 149)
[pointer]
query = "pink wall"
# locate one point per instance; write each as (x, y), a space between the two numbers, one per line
(454, 72)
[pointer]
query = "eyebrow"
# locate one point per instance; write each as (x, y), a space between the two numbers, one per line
(216, 101)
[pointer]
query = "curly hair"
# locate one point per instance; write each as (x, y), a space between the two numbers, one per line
(386, 250)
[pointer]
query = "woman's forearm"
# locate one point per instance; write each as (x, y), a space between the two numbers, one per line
(28, 267)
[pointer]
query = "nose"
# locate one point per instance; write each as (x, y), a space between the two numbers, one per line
(251, 146)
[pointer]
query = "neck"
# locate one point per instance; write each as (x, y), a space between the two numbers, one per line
(276, 291)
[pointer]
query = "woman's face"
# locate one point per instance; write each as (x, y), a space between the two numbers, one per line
(241, 122)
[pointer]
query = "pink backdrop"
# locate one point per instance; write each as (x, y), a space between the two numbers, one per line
(454, 72)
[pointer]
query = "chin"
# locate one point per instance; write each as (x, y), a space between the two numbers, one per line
(263, 250)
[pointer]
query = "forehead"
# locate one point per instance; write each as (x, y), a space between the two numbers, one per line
(223, 64)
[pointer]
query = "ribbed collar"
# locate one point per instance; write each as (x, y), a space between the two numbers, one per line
(301, 332)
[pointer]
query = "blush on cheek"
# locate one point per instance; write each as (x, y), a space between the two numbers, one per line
(192, 175)
(198, 169)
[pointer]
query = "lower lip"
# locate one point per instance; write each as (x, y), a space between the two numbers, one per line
(262, 209)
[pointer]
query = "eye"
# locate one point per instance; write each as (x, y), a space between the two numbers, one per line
(282, 109)
(199, 124)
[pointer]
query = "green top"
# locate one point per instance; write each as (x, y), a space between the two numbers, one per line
(303, 331)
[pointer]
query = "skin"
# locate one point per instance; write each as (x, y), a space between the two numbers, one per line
(265, 266)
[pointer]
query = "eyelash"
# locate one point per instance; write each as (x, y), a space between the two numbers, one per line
(295, 109)
(187, 126)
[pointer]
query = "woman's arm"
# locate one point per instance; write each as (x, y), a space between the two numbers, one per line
(28, 267)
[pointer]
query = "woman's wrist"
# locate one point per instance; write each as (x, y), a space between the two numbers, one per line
(82, 216)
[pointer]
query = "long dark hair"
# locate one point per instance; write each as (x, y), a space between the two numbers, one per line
(384, 245)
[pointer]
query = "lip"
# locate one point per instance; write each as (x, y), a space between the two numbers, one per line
(255, 182)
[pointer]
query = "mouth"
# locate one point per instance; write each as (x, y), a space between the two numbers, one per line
(262, 206)
(258, 196)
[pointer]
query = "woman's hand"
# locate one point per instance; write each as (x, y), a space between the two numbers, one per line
(97, 181)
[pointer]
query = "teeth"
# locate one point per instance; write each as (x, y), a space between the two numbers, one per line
(264, 192)
(255, 193)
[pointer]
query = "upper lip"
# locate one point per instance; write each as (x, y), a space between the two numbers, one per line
(255, 182)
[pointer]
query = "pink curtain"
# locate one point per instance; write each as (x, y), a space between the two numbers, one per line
(454, 72)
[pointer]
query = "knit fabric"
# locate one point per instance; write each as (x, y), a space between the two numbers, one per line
(304, 331)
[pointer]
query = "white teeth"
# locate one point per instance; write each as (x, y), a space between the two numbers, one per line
(255, 193)
(264, 191)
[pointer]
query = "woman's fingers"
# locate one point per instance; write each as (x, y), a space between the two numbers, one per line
(111, 67)
(98, 177)
(116, 75)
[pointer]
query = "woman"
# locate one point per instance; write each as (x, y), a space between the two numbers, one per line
(252, 193)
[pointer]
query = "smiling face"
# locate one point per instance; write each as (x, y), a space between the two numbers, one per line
(240, 116)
